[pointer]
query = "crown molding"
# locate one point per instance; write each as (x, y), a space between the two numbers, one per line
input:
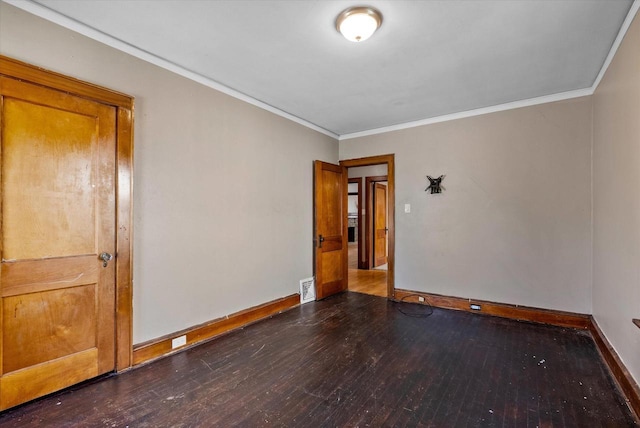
(73, 25)
(616, 43)
(515, 104)
(471, 113)
(53, 16)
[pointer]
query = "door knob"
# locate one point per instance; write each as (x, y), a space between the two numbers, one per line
(320, 241)
(105, 257)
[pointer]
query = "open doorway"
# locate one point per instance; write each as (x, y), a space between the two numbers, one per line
(371, 225)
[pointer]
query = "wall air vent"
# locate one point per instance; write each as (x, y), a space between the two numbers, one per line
(307, 290)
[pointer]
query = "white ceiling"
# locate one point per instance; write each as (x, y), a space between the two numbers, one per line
(429, 58)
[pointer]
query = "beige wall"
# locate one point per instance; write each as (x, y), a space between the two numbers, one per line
(514, 223)
(223, 202)
(367, 171)
(616, 201)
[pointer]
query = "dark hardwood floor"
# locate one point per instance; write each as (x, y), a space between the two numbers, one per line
(356, 360)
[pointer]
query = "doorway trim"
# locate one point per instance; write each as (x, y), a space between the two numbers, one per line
(388, 160)
(123, 104)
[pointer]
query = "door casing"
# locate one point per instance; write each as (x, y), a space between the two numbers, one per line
(388, 160)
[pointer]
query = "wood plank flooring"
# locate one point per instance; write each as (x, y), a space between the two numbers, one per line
(356, 360)
(372, 281)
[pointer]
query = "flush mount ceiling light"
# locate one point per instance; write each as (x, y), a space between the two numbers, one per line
(357, 24)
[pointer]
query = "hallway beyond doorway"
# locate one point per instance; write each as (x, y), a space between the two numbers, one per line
(372, 281)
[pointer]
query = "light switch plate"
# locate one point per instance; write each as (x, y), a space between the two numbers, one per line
(407, 208)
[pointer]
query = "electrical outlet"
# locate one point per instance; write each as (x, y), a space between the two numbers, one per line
(179, 341)
(420, 299)
(476, 307)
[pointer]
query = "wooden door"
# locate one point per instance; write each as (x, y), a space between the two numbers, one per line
(380, 225)
(58, 214)
(330, 227)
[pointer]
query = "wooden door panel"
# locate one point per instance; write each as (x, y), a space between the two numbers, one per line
(29, 276)
(331, 208)
(39, 327)
(53, 227)
(58, 213)
(40, 196)
(331, 243)
(332, 267)
(330, 226)
(36, 381)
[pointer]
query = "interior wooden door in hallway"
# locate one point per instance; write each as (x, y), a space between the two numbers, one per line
(380, 229)
(57, 280)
